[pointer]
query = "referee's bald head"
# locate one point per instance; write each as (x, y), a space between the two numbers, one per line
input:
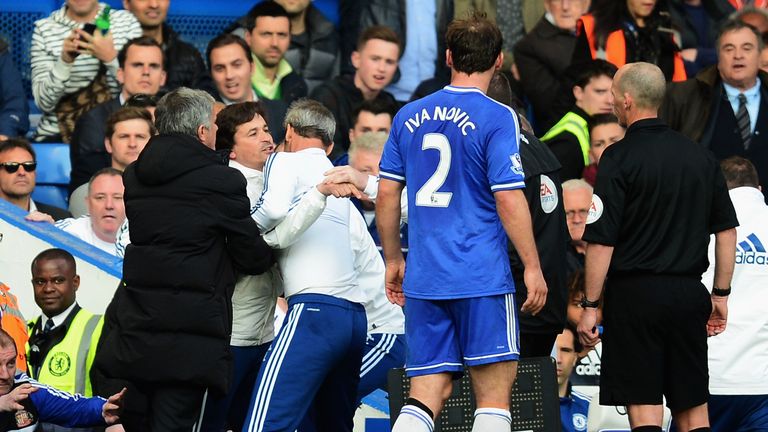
(644, 82)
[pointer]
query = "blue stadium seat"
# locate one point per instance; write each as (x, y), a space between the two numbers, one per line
(53, 169)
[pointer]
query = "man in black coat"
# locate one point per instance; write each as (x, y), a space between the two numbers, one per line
(166, 331)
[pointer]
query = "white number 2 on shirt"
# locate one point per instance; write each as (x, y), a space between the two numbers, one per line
(427, 195)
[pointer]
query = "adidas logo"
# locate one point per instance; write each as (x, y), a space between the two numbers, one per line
(751, 251)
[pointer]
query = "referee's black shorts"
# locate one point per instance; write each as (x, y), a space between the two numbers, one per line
(655, 341)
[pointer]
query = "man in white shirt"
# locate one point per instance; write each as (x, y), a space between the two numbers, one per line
(106, 211)
(738, 357)
(316, 357)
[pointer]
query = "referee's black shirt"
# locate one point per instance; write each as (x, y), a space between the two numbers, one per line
(658, 197)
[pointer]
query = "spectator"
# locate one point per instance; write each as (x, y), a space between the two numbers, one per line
(697, 22)
(569, 137)
(756, 17)
(128, 131)
(24, 403)
(179, 270)
(604, 130)
(375, 62)
(63, 339)
(274, 80)
(314, 49)
(422, 22)
(373, 115)
(543, 56)
(106, 211)
(627, 31)
(730, 96)
(17, 179)
(577, 200)
(73, 71)
(764, 54)
(574, 406)
(14, 110)
(141, 72)
(183, 62)
(738, 380)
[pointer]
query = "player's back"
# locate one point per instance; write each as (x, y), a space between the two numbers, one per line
(454, 149)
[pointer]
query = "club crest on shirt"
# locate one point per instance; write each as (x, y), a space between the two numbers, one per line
(548, 194)
(595, 209)
(517, 164)
(59, 364)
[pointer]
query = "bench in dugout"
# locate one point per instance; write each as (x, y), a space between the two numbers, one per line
(535, 403)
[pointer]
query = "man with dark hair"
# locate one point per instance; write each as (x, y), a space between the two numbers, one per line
(738, 390)
(656, 313)
(569, 137)
(574, 405)
(63, 338)
(725, 107)
(179, 270)
(274, 80)
(373, 115)
(128, 131)
(24, 403)
(375, 61)
(314, 49)
(17, 178)
(458, 151)
(141, 72)
(183, 62)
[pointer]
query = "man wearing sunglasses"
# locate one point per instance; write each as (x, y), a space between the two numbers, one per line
(17, 178)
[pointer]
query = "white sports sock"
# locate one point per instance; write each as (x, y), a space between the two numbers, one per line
(413, 419)
(491, 420)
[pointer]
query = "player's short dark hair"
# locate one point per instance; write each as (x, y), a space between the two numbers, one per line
(593, 69)
(144, 41)
(20, 143)
(375, 107)
(233, 116)
(54, 254)
(601, 119)
(577, 346)
(739, 172)
(129, 113)
(266, 8)
(226, 39)
(474, 43)
(382, 33)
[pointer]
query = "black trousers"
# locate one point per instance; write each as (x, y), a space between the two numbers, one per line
(169, 408)
(536, 344)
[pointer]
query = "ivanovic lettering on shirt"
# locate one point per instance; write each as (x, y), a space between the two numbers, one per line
(456, 115)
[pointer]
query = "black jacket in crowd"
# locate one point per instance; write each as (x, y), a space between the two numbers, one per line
(551, 234)
(341, 97)
(87, 151)
(184, 66)
(314, 55)
(170, 320)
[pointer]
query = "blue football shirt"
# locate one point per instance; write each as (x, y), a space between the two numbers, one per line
(454, 149)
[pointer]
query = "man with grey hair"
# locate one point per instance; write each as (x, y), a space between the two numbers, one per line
(315, 359)
(657, 314)
(166, 332)
(725, 107)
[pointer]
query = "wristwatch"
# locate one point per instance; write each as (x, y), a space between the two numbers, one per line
(589, 304)
(721, 292)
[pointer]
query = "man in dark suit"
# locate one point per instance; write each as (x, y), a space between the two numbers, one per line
(141, 72)
(17, 178)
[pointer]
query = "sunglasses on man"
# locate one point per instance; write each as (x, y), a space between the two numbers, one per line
(12, 167)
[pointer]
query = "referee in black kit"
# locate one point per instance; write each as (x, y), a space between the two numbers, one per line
(657, 199)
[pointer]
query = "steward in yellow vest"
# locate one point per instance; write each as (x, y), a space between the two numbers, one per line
(63, 339)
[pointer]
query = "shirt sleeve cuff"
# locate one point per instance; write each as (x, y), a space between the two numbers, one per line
(372, 188)
(62, 70)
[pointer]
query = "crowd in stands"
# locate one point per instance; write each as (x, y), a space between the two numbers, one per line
(98, 88)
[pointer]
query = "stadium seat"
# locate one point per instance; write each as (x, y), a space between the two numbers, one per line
(535, 405)
(53, 169)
